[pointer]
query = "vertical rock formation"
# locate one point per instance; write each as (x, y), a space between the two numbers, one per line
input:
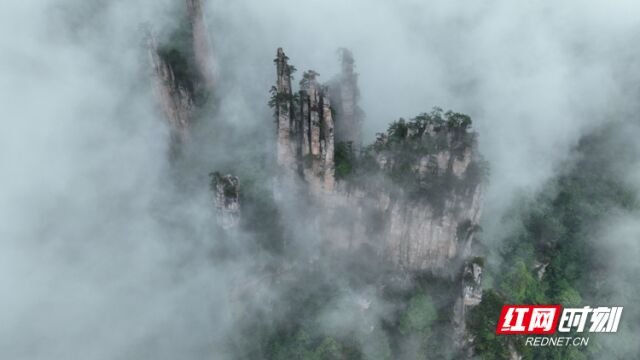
(182, 71)
(226, 196)
(316, 136)
(344, 95)
(282, 100)
(201, 44)
(472, 283)
(174, 98)
(427, 208)
(313, 96)
(327, 144)
(304, 126)
(420, 237)
(433, 209)
(471, 296)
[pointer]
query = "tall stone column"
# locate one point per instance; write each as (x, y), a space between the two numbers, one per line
(286, 155)
(328, 133)
(344, 96)
(201, 45)
(175, 100)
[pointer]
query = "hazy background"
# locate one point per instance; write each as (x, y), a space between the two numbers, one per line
(102, 258)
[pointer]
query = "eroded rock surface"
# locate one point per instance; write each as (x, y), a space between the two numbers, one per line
(425, 217)
(203, 52)
(305, 127)
(175, 99)
(344, 94)
(226, 196)
(182, 72)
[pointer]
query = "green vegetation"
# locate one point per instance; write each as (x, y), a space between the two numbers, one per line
(419, 316)
(344, 159)
(299, 325)
(465, 229)
(423, 324)
(548, 256)
(418, 308)
(178, 53)
(482, 322)
(306, 79)
(281, 98)
(183, 70)
(551, 257)
(290, 68)
(300, 335)
(418, 155)
(230, 186)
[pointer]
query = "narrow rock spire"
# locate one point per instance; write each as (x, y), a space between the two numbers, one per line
(305, 126)
(283, 105)
(314, 114)
(328, 141)
(203, 52)
(345, 94)
(174, 99)
(226, 197)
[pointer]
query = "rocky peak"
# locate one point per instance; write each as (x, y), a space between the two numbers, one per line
(282, 101)
(174, 98)
(226, 197)
(201, 44)
(182, 71)
(472, 282)
(427, 206)
(344, 94)
(304, 126)
(471, 296)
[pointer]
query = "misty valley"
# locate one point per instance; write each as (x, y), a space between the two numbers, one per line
(214, 197)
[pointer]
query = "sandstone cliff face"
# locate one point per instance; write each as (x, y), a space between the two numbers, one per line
(305, 128)
(175, 99)
(421, 239)
(286, 148)
(226, 198)
(344, 94)
(201, 45)
(425, 205)
(471, 296)
(183, 72)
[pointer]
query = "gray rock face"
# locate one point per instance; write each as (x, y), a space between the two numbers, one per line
(286, 148)
(415, 235)
(226, 197)
(344, 94)
(426, 233)
(175, 100)
(471, 296)
(201, 45)
(305, 140)
(419, 238)
(472, 284)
